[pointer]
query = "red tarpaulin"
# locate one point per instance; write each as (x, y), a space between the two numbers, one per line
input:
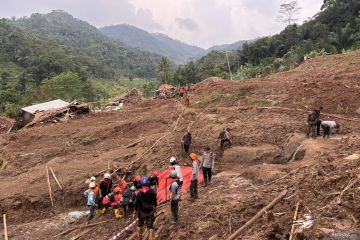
(163, 192)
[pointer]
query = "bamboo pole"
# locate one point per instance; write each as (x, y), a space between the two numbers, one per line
(294, 219)
(56, 179)
(80, 227)
(258, 215)
(49, 186)
(5, 228)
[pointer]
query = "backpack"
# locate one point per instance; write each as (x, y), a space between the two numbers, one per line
(179, 186)
(126, 197)
(146, 207)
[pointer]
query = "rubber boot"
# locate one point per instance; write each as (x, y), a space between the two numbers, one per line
(103, 211)
(98, 212)
(140, 233)
(117, 213)
(151, 234)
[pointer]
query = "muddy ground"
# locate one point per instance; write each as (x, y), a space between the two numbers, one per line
(266, 117)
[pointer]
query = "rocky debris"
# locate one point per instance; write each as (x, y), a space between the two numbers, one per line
(61, 115)
(132, 96)
(6, 124)
(165, 91)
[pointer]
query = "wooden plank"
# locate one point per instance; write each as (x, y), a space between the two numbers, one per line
(49, 185)
(5, 228)
(56, 179)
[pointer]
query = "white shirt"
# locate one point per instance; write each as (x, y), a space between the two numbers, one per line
(330, 124)
(178, 172)
(195, 170)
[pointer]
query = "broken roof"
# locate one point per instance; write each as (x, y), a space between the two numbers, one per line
(55, 104)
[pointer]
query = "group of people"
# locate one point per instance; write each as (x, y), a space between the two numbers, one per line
(314, 123)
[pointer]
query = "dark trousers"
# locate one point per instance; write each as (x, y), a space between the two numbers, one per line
(124, 209)
(194, 188)
(327, 131)
(92, 213)
(186, 148)
(146, 217)
(175, 209)
(207, 175)
(314, 128)
(222, 143)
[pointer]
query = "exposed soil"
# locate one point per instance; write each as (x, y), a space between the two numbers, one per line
(266, 117)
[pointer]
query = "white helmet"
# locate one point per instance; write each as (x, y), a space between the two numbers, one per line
(173, 160)
(173, 174)
(93, 178)
(92, 185)
(107, 175)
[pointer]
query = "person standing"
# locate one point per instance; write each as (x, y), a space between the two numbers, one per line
(105, 188)
(313, 122)
(175, 189)
(174, 163)
(91, 198)
(225, 138)
(154, 181)
(207, 164)
(98, 197)
(186, 142)
(145, 206)
(194, 176)
(328, 126)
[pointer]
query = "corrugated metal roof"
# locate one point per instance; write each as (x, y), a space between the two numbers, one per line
(55, 104)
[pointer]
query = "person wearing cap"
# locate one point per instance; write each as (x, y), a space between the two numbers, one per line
(328, 126)
(174, 163)
(136, 182)
(194, 176)
(90, 197)
(145, 206)
(105, 188)
(98, 197)
(175, 189)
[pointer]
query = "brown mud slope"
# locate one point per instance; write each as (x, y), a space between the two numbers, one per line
(266, 117)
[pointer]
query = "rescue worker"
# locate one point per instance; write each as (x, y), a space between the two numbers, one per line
(225, 138)
(186, 142)
(145, 206)
(328, 126)
(313, 122)
(154, 181)
(174, 163)
(186, 99)
(113, 200)
(136, 182)
(98, 197)
(125, 201)
(207, 165)
(194, 176)
(90, 197)
(105, 188)
(175, 189)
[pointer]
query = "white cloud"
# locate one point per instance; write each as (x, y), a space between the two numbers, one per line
(200, 22)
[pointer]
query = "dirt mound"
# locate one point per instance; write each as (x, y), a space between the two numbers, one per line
(207, 82)
(6, 124)
(132, 96)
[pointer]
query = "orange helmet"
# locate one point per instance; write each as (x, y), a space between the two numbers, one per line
(193, 156)
(117, 190)
(138, 178)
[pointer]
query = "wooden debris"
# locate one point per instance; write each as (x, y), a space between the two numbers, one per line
(294, 219)
(49, 185)
(348, 186)
(134, 143)
(80, 227)
(56, 179)
(258, 215)
(5, 228)
(80, 234)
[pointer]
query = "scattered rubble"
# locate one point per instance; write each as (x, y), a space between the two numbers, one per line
(165, 91)
(6, 124)
(62, 114)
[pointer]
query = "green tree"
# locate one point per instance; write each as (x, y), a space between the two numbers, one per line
(164, 69)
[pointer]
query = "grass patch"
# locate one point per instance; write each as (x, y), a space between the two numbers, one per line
(87, 141)
(165, 121)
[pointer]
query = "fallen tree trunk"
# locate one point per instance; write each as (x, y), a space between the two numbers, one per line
(258, 215)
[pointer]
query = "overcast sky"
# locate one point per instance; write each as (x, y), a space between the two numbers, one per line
(199, 22)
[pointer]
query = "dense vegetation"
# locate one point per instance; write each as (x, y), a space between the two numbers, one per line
(333, 30)
(56, 56)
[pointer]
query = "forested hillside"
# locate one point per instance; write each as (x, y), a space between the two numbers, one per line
(113, 57)
(176, 51)
(334, 29)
